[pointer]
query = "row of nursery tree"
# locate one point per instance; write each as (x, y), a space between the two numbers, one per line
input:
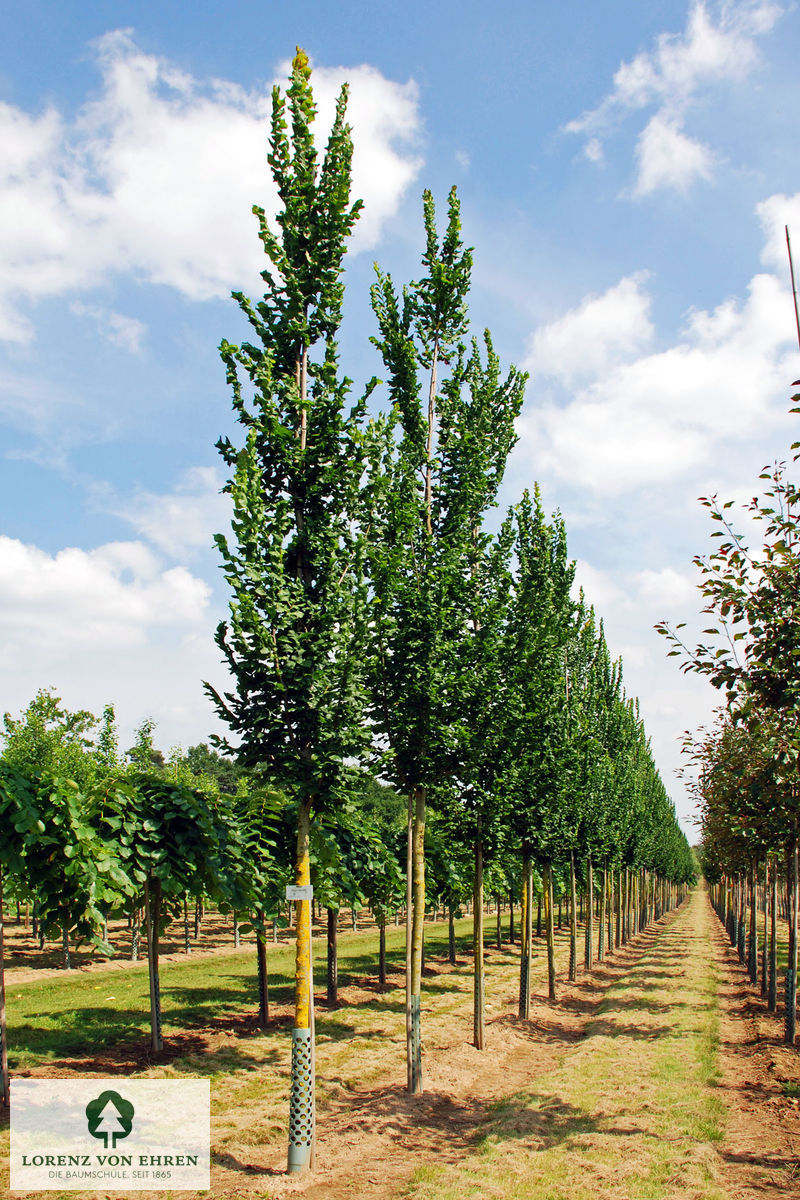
(747, 766)
(381, 616)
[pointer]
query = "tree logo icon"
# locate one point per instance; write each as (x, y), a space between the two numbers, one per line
(110, 1116)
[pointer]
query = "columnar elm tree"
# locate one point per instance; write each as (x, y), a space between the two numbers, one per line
(294, 562)
(448, 445)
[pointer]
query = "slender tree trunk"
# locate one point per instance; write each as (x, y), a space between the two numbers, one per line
(382, 950)
(752, 949)
(333, 959)
(263, 975)
(573, 920)
(791, 966)
(511, 917)
(772, 996)
(187, 945)
(526, 934)
(610, 909)
(589, 948)
(409, 939)
(152, 906)
(451, 935)
(499, 925)
(601, 922)
(417, 934)
(618, 939)
(65, 944)
(301, 1107)
(135, 931)
(3, 1028)
(765, 932)
(550, 931)
(479, 978)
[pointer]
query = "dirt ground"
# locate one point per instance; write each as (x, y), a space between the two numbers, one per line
(371, 1136)
(762, 1148)
(370, 1139)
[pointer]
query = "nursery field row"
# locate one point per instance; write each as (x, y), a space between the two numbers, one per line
(616, 1090)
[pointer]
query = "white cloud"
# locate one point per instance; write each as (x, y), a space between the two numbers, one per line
(650, 419)
(125, 332)
(775, 214)
(600, 332)
(630, 603)
(158, 175)
(593, 150)
(600, 589)
(668, 588)
(107, 597)
(184, 519)
(672, 76)
(667, 158)
(111, 624)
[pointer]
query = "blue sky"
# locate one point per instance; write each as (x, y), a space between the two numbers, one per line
(625, 172)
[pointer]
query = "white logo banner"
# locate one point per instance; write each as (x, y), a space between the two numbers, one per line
(110, 1134)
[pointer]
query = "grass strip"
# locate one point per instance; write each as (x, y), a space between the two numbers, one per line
(631, 1111)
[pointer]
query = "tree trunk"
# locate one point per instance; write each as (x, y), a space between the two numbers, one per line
(589, 948)
(409, 939)
(301, 1107)
(332, 994)
(526, 935)
(499, 925)
(772, 996)
(65, 944)
(550, 931)
(601, 919)
(478, 1014)
(187, 945)
(765, 931)
(511, 917)
(382, 950)
(791, 966)
(135, 931)
(451, 936)
(3, 1029)
(152, 908)
(573, 921)
(752, 948)
(417, 934)
(609, 876)
(263, 976)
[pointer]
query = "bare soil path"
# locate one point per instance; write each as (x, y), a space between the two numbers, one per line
(760, 1084)
(373, 1139)
(590, 1097)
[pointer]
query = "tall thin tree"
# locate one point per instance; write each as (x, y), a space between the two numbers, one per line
(294, 560)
